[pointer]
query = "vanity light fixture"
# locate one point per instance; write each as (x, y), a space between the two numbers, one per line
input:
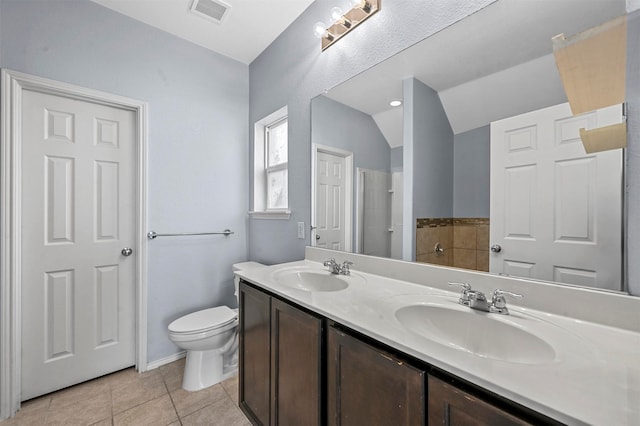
(342, 23)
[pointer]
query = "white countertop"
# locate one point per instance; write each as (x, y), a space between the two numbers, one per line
(594, 377)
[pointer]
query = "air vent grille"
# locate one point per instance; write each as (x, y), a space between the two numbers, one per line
(214, 10)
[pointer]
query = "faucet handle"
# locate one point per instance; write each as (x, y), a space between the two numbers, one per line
(498, 302)
(465, 286)
(344, 269)
(464, 296)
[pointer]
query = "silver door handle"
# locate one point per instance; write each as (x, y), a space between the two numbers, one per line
(496, 248)
(317, 237)
(127, 251)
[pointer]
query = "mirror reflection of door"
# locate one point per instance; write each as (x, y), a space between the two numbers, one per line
(333, 209)
(556, 212)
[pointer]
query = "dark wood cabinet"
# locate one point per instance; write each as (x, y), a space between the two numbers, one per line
(280, 361)
(255, 354)
(295, 370)
(451, 406)
(367, 386)
(296, 361)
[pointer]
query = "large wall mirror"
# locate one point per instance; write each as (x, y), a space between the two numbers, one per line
(447, 153)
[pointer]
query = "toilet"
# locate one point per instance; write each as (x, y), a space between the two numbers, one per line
(210, 337)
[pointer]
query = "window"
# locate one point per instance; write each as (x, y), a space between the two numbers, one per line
(276, 165)
(271, 173)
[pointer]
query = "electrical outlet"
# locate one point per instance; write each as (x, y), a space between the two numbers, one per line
(301, 230)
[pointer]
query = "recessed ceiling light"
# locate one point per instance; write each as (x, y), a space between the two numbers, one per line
(395, 103)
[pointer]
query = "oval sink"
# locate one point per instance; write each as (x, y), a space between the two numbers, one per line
(306, 279)
(486, 335)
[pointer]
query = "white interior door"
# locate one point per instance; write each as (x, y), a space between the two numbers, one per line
(556, 212)
(330, 201)
(78, 214)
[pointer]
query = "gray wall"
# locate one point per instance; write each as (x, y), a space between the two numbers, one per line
(293, 70)
(337, 125)
(432, 154)
(397, 159)
(428, 169)
(198, 136)
(471, 173)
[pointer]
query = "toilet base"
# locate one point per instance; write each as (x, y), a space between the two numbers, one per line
(205, 368)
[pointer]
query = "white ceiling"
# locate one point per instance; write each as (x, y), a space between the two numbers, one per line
(249, 27)
(494, 64)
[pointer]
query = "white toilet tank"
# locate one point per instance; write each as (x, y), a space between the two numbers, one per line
(243, 266)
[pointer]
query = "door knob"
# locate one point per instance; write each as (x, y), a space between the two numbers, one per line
(317, 237)
(496, 248)
(127, 251)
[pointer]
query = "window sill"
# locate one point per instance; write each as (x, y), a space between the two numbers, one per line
(275, 214)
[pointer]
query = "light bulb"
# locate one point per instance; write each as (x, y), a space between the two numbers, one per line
(336, 14)
(395, 103)
(320, 29)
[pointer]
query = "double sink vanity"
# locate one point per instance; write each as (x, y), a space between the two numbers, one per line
(380, 341)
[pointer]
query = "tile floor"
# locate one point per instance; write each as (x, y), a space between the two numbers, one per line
(128, 398)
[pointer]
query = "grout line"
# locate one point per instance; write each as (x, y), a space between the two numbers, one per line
(164, 382)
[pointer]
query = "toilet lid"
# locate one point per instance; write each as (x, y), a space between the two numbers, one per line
(205, 319)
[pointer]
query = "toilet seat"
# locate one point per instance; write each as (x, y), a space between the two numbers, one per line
(204, 321)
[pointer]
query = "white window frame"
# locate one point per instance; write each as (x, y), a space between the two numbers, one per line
(260, 169)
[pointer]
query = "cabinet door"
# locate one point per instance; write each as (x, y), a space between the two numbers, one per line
(367, 386)
(255, 355)
(449, 405)
(296, 339)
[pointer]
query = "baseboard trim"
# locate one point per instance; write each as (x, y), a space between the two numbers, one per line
(171, 358)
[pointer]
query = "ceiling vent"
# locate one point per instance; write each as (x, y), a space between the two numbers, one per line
(213, 10)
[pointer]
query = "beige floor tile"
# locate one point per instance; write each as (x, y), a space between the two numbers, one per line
(74, 394)
(105, 422)
(223, 412)
(172, 374)
(231, 387)
(30, 414)
(172, 368)
(85, 411)
(189, 402)
(131, 393)
(41, 402)
(128, 376)
(157, 412)
(173, 381)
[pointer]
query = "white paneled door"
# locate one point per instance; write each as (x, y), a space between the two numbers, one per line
(78, 224)
(330, 201)
(556, 212)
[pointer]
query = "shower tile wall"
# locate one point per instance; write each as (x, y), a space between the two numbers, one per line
(465, 242)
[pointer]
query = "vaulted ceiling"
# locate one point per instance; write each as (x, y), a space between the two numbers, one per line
(248, 27)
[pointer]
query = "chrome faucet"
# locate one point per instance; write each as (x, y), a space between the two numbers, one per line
(498, 302)
(338, 269)
(478, 301)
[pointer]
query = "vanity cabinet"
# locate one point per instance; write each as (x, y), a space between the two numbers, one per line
(255, 354)
(280, 361)
(368, 386)
(299, 368)
(450, 405)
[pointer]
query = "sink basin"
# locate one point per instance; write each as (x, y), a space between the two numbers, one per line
(494, 336)
(314, 280)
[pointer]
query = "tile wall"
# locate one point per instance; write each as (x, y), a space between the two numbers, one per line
(464, 242)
